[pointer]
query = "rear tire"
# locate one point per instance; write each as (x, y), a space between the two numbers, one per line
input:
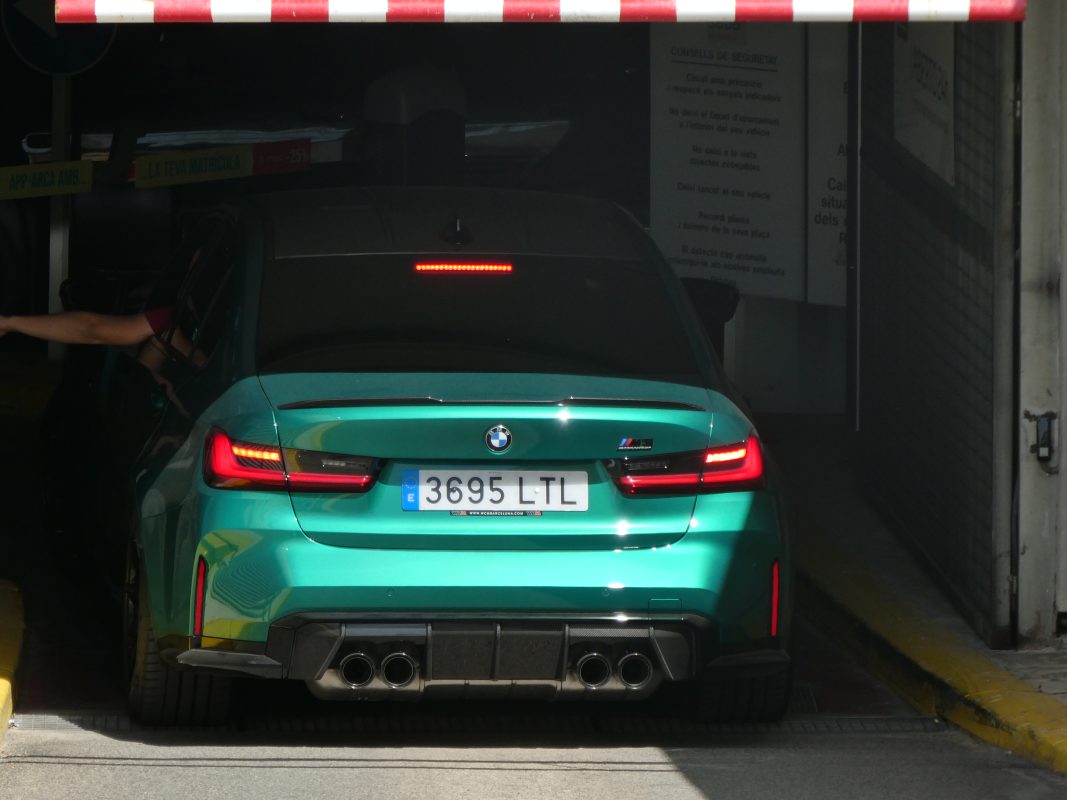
(761, 695)
(159, 695)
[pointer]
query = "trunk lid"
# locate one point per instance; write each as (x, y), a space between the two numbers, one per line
(438, 423)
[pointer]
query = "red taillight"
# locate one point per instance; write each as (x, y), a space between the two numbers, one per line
(257, 453)
(725, 455)
(330, 483)
(198, 600)
(667, 482)
(454, 268)
(775, 596)
(311, 471)
(737, 464)
(730, 468)
(230, 464)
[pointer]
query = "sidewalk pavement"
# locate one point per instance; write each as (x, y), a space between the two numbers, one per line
(862, 586)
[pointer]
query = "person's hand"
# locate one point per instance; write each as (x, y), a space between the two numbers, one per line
(5, 324)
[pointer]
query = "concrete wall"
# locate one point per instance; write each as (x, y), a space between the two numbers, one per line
(936, 318)
(788, 358)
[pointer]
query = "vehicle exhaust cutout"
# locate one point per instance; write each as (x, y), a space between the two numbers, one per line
(399, 669)
(594, 670)
(634, 670)
(357, 670)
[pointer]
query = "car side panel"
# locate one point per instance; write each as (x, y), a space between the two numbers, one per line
(172, 500)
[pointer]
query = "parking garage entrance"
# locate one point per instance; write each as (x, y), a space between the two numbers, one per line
(856, 183)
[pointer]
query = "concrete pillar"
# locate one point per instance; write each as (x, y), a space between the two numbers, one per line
(1041, 515)
(59, 216)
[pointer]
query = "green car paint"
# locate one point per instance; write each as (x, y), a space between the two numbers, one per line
(270, 553)
(716, 562)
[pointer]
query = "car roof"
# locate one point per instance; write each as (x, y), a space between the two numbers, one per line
(325, 222)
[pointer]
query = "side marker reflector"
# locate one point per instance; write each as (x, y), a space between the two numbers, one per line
(201, 590)
(775, 597)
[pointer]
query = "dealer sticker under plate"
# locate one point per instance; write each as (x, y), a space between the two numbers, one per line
(480, 492)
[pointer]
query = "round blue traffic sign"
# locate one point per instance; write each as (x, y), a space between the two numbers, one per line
(30, 27)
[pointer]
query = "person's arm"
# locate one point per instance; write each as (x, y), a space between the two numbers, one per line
(80, 327)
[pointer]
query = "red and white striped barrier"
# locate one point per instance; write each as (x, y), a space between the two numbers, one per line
(538, 10)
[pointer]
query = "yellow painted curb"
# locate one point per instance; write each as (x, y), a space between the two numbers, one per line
(11, 626)
(940, 674)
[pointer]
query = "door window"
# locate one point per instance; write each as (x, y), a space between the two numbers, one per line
(200, 314)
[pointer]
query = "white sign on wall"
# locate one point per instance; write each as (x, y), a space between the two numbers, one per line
(728, 154)
(924, 108)
(827, 164)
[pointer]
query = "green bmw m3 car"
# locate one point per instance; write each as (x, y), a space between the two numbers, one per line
(444, 442)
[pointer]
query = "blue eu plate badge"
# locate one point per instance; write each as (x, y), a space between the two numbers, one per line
(409, 485)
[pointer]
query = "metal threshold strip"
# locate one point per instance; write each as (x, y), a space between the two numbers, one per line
(539, 10)
(472, 725)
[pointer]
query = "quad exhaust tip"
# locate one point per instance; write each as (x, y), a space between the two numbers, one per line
(357, 670)
(634, 670)
(399, 669)
(594, 670)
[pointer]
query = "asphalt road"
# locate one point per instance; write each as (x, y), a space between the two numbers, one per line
(862, 764)
(847, 736)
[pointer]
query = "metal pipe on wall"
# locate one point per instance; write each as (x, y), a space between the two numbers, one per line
(852, 289)
(1002, 622)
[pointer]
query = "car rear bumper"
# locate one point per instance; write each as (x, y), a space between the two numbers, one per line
(536, 656)
(260, 576)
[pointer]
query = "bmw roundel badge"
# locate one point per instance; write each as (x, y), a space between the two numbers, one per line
(498, 438)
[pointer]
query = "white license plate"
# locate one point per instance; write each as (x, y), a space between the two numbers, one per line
(495, 491)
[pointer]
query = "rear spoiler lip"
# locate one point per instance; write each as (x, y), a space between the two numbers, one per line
(609, 402)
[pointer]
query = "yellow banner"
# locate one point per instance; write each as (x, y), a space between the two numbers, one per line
(42, 180)
(193, 166)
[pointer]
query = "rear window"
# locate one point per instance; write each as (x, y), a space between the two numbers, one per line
(377, 313)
